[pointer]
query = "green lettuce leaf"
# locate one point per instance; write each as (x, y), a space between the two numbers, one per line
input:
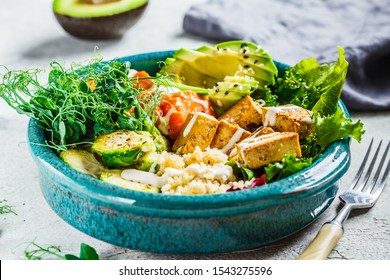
(334, 127)
(240, 171)
(330, 80)
(310, 85)
(289, 166)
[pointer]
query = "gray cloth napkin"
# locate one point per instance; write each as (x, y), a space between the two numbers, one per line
(293, 30)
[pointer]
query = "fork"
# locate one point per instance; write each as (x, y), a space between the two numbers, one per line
(361, 194)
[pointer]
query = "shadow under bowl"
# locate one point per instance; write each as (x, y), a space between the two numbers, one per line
(177, 224)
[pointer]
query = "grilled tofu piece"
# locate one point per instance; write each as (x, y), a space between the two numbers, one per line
(198, 130)
(227, 136)
(246, 113)
(256, 152)
(290, 118)
(262, 130)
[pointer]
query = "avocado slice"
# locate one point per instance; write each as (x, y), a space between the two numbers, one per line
(113, 176)
(184, 73)
(231, 90)
(98, 19)
(207, 65)
(231, 70)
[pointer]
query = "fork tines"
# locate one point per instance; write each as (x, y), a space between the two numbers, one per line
(368, 186)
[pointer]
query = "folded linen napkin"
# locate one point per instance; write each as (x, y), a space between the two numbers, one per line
(292, 30)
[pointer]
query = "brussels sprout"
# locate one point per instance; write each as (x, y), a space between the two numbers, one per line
(113, 176)
(149, 163)
(83, 161)
(162, 143)
(123, 148)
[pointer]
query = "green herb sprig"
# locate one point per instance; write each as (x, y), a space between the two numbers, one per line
(35, 251)
(6, 209)
(80, 102)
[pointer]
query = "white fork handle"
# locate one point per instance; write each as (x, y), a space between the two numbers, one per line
(326, 239)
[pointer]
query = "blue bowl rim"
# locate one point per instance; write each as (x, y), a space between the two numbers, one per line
(289, 187)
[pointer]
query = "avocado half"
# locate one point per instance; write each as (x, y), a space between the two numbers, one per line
(98, 19)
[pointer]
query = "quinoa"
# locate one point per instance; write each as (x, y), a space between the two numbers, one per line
(209, 156)
(166, 159)
(200, 172)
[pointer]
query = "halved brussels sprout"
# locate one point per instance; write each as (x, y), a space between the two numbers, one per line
(123, 148)
(83, 161)
(162, 143)
(113, 176)
(149, 163)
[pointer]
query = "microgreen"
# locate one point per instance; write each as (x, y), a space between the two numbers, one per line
(6, 209)
(80, 102)
(35, 251)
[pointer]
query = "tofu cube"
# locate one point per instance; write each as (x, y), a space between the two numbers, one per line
(246, 114)
(256, 152)
(198, 130)
(262, 130)
(289, 118)
(227, 136)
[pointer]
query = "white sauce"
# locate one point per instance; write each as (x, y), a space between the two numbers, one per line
(235, 138)
(143, 177)
(222, 173)
(270, 115)
(190, 125)
(201, 171)
(164, 122)
(169, 171)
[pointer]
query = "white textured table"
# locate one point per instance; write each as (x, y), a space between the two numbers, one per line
(30, 37)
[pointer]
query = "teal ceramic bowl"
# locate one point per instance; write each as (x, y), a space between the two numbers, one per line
(188, 224)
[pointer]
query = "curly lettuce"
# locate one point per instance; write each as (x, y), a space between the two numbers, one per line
(310, 85)
(316, 87)
(288, 166)
(336, 126)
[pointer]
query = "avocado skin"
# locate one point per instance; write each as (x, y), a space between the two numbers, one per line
(101, 28)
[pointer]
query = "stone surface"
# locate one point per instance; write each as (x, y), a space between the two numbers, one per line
(32, 38)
